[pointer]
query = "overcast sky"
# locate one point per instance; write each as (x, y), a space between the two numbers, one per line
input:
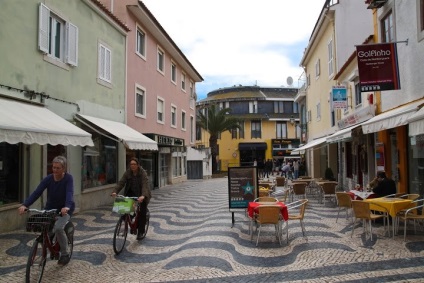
(240, 42)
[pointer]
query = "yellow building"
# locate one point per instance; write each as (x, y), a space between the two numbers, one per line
(269, 128)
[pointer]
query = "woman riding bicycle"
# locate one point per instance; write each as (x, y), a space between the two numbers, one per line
(60, 196)
(136, 184)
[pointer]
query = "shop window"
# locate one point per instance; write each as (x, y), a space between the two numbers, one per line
(10, 174)
(100, 162)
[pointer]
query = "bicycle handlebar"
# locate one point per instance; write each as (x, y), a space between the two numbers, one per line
(122, 196)
(40, 211)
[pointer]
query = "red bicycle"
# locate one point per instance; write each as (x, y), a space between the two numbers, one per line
(126, 221)
(41, 222)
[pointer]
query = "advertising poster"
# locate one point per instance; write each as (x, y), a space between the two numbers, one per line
(339, 95)
(242, 186)
(378, 67)
(379, 156)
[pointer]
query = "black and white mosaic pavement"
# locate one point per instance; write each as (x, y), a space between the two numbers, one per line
(190, 239)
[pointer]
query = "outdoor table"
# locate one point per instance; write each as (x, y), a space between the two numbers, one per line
(252, 208)
(359, 195)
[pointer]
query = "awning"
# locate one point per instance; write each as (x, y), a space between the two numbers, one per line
(252, 146)
(311, 144)
(416, 123)
(127, 135)
(341, 135)
(390, 119)
(30, 123)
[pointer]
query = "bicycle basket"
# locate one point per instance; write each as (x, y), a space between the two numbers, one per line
(123, 205)
(40, 222)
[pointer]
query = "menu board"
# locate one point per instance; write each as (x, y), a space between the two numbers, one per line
(242, 186)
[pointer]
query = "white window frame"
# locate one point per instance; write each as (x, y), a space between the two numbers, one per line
(140, 92)
(68, 41)
(183, 119)
(330, 57)
(161, 61)
(384, 29)
(104, 63)
(160, 110)
(140, 42)
(317, 69)
(183, 81)
(173, 72)
(281, 130)
(173, 116)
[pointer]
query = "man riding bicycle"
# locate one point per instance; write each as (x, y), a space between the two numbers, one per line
(60, 196)
(136, 184)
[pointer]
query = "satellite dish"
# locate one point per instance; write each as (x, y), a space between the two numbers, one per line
(289, 81)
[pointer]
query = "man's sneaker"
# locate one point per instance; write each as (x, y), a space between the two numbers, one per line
(63, 260)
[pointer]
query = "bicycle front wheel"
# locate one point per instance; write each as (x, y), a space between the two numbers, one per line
(36, 263)
(120, 235)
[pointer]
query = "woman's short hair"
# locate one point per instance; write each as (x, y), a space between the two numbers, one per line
(60, 159)
(381, 175)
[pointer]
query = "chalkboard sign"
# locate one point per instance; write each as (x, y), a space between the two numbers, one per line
(242, 186)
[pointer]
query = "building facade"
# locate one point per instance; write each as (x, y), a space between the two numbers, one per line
(269, 128)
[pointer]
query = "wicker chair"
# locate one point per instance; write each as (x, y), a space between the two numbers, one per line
(298, 206)
(328, 190)
(299, 189)
(415, 213)
(269, 215)
(281, 181)
(344, 201)
(362, 211)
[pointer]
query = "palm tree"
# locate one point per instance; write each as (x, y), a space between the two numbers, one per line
(216, 121)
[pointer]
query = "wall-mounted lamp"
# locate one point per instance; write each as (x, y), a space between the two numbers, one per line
(292, 121)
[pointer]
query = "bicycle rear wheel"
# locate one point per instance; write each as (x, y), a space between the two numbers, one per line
(120, 235)
(36, 262)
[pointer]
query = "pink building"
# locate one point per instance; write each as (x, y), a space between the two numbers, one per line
(160, 95)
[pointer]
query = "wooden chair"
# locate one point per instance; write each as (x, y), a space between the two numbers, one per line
(265, 199)
(362, 211)
(281, 181)
(344, 201)
(328, 190)
(297, 212)
(269, 215)
(299, 189)
(415, 213)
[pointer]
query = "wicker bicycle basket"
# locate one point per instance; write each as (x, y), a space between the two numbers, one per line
(40, 222)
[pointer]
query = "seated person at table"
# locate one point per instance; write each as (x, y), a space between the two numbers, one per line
(385, 186)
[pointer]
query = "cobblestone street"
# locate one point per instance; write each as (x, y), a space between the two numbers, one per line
(190, 239)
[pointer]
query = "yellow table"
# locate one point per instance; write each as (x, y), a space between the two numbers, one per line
(393, 206)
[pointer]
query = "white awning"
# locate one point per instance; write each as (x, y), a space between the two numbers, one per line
(311, 144)
(127, 135)
(390, 119)
(416, 123)
(342, 134)
(31, 123)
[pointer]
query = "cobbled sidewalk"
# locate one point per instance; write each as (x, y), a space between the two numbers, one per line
(191, 239)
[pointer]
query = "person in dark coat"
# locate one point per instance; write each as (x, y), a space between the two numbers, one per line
(136, 184)
(385, 186)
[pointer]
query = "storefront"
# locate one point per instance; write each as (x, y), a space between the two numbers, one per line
(251, 151)
(416, 153)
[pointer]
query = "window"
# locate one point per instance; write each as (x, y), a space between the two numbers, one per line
(105, 63)
(333, 118)
(317, 69)
(183, 120)
(278, 107)
(192, 129)
(318, 111)
(161, 61)
(387, 28)
(56, 37)
(358, 95)
(309, 116)
(141, 43)
(238, 133)
(255, 129)
(253, 107)
(191, 89)
(308, 80)
(281, 130)
(173, 73)
(173, 116)
(330, 57)
(183, 78)
(140, 102)
(160, 107)
(198, 133)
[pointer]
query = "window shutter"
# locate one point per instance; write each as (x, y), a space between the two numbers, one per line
(102, 62)
(43, 28)
(72, 44)
(108, 65)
